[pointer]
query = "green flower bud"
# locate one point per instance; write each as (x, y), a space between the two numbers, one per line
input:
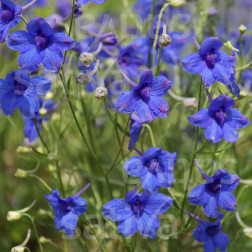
(21, 247)
(16, 215)
(21, 173)
(83, 78)
(176, 3)
(242, 29)
(86, 58)
(165, 40)
(100, 92)
(190, 102)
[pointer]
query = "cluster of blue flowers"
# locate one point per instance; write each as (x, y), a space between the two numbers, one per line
(44, 46)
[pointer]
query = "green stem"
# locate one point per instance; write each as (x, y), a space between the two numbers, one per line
(24, 19)
(59, 178)
(152, 29)
(35, 230)
(151, 134)
(159, 58)
(41, 138)
(190, 173)
(42, 181)
(156, 35)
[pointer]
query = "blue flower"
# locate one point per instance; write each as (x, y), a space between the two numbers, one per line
(219, 120)
(146, 98)
(135, 130)
(84, 2)
(154, 167)
(30, 131)
(210, 233)
(40, 45)
(10, 16)
(217, 191)
(246, 79)
(213, 65)
(138, 212)
(66, 211)
(20, 91)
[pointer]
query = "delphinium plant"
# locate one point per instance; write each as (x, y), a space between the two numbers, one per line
(125, 125)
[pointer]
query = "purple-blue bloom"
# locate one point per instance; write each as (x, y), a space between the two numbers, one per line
(84, 2)
(154, 167)
(210, 233)
(146, 97)
(212, 65)
(10, 16)
(138, 212)
(40, 44)
(217, 191)
(66, 211)
(219, 120)
(20, 91)
(135, 130)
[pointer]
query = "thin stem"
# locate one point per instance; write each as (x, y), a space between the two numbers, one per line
(35, 230)
(24, 19)
(60, 179)
(42, 181)
(41, 138)
(159, 58)
(152, 30)
(190, 173)
(151, 134)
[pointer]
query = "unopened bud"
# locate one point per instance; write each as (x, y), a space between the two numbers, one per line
(248, 231)
(100, 92)
(21, 173)
(23, 150)
(83, 78)
(242, 29)
(43, 239)
(86, 58)
(21, 247)
(176, 3)
(190, 102)
(14, 215)
(109, 39)
(43, 111)
(165, 40)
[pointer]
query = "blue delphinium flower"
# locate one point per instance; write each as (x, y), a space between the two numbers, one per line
(40, 44)
(146, 97)
(138, 212)
(217, 191)
(10, 16)
(246, 79)
(20, 91)
(219, 120)
(30, 131)
(210, 233)
(213, 65)
(84, 2)
(135, 130)
(67, 210)
(154, 167)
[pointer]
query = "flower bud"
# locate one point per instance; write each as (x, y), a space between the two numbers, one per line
(176, 3)
(190, 102)
(83, 78)
(248, 231)
(43, 111)
(23, 150)
(14, 215)
(20, 173)
(109, 39)
(100, 92)
(242, 29)
(86, 58)
(21, 247)
(18, 249)
(165, 40)
(43, 239)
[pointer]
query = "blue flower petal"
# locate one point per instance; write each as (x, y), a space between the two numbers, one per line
(26, 105)
(236, 119)
(30, 59)
(128, 227)
(20, 41)
(69, 223)
(227, 201)
(159, 86)
(193, 63)
(52, 60)
(4, 87)
(211, 207)
(134, 166)
(158, 203)
(209, 44)
(117, 210)
(40, 85)
(225, 59)
(150, 182)
(61, 41)
(151, 153)
(221, 73)
(230, 133)
(159, 106)
(207, 77)
(39, 24)
(148, 225)
(221, 101)
(166, 178)
(127, 102)
(221, 241)
(209, 245)
(167, 160)
(144, 112)
(146, 78)
(199, 195)
(214, 132)
(201, 118)
(229, 182)
(8, 103)
(79, 205)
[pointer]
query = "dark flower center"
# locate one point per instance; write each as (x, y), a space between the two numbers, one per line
(213, 230)
(138, 207)
(153, 165)
(19, 89)
(6, 15)
(220, 116)
(41, 42)
(211, 58)
(214, 187)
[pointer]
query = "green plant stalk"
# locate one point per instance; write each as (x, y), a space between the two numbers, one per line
(40, 136)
